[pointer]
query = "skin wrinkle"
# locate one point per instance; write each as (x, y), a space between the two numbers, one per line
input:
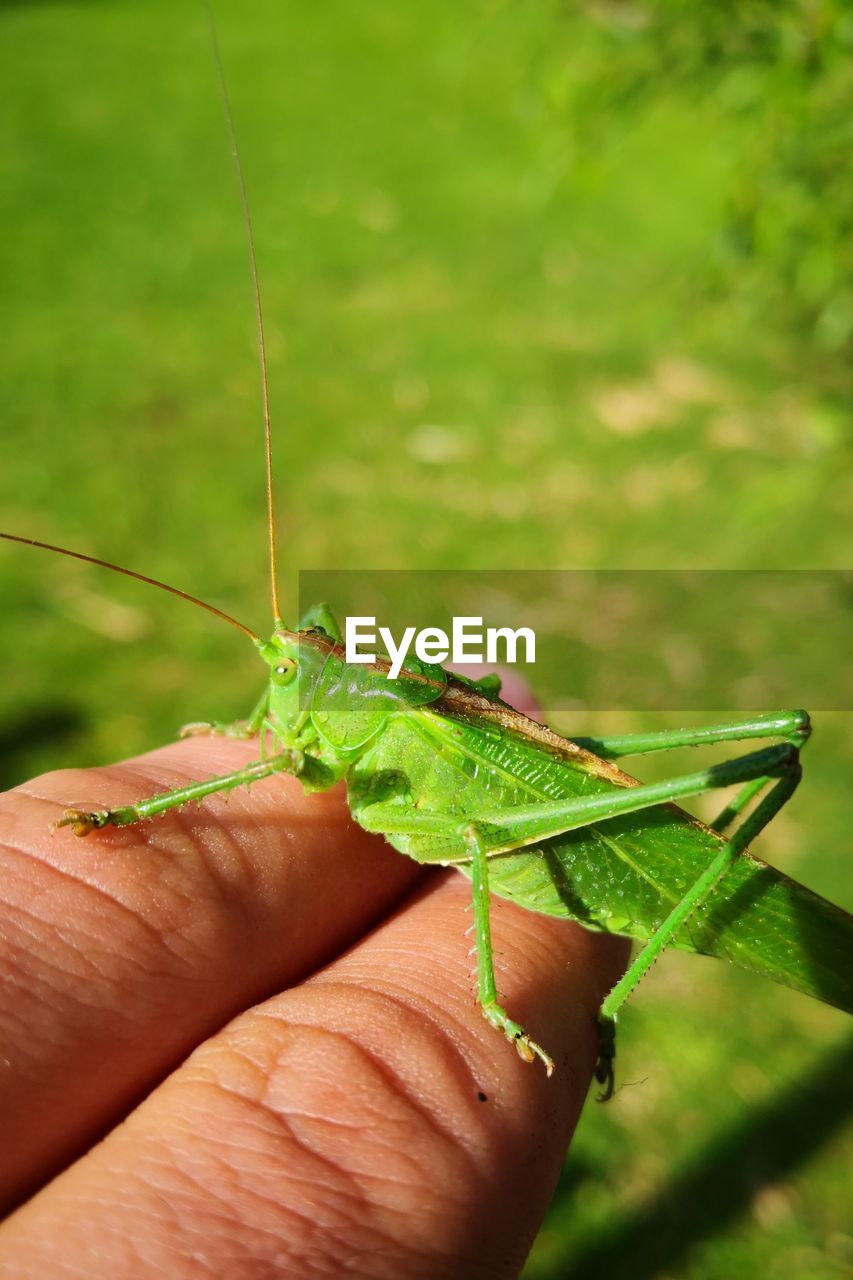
(197, 1195)
(213, 816)
(415, 995)
(242, 1222)
(13, 964)
(43, 988)
(198, 1070)
(514, 955)
(260, 1098)
(195, 821)
(132, 916)
(86, 972)
(415, 1020)
(409, 1098)
(70, 997)
(377, 1064)
(254, 1194)
(208, 834)
(148, 1245)
(237, 890)
(320, 820)
(426, 1011)
(214, 880)
(46, 985)
(407, 993)
(296, 1137)
(361, 1197)
(108, 1230)
(81, 1001)
(414, 1098)
(66, 875)
(282, 1121)
(83, 951)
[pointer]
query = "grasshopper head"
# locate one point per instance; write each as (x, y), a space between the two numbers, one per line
(295, 659)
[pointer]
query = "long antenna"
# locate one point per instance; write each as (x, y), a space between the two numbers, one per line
(262, 346)
(131, 573)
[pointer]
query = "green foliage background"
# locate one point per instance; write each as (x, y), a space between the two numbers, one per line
(546, 286)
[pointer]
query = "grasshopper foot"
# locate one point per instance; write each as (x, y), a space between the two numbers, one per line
(209, 728)
(605, 1072)
(83, 822)
(528, 1050)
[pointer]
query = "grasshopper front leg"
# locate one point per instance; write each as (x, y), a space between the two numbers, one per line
(487, 991)
(240, 729)
(83, 822)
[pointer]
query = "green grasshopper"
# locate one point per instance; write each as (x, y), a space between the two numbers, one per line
(451, 775)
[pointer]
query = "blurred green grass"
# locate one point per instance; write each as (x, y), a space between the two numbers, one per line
(545, 287)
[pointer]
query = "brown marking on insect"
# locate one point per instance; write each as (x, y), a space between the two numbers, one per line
(460, 700)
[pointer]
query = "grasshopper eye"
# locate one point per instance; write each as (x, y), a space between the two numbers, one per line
(284, 671)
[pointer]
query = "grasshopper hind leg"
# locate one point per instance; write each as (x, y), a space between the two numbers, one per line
(783, 783)
(494, 1014)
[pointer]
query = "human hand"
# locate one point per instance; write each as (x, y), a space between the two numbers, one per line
(243, 1040)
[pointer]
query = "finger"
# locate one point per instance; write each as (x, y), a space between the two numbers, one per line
(126, 951)
(368, 1120)
(121, 952)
